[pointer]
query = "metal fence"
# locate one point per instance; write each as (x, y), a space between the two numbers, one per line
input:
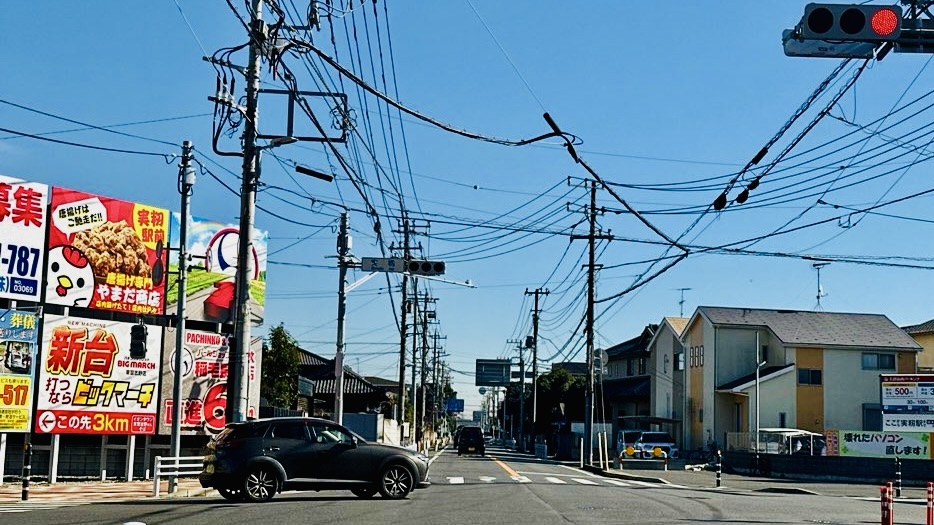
(783, 442)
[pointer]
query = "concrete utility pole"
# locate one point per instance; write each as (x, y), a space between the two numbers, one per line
(535, 311)
(343, 250)
(186, 180)
(400, 416)
(237, 383)
(416, 431)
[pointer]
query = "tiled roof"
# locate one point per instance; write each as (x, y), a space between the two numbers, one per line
(626, 387)
(923, 328)
(795, 327)
(353, 384)
(635, 346)
(379, 381)
(306, 358)
(764, 374)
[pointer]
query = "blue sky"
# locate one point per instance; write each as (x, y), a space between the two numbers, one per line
(659, 96)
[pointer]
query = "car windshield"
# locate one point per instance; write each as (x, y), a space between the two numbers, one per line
(657, 437)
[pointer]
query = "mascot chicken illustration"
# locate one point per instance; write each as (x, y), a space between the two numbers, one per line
(70, 278)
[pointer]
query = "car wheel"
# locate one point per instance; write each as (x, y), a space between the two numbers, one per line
(396, 481)
(231, 494)
(364, 493)
(260, 484)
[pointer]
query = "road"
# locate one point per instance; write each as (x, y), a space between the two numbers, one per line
(501, 487)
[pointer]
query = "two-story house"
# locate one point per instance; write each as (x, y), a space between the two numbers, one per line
(787, 368)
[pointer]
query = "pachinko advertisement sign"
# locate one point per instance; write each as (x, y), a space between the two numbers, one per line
(106, 254)
(211, 284)
(22, 238)
(97, 377)
(18, 339)
(205, 359)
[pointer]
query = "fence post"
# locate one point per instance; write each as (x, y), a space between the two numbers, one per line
(898, 477)
(155, 477)
(27, 468)
(929, 512)
(719, 466)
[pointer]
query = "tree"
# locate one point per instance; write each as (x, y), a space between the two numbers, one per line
(279, 383)
(560, 397)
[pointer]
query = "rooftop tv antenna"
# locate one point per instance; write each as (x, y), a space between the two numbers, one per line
(820, 289)
(681, 302)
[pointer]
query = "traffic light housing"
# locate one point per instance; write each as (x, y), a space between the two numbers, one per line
(422, 267)
(138, 334)
(851, 22)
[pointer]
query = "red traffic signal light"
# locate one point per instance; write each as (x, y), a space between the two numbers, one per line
(851, 22)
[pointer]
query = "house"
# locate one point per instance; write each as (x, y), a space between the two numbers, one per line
(749, 368)
(924, 334)
(360, 395)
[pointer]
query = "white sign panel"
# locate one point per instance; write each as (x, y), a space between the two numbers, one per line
(907, 422)
(907, 402)
(22, 237)
(91, 383)
(382, 264)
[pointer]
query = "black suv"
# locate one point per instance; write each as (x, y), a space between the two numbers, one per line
(471, 441)
(253, 460)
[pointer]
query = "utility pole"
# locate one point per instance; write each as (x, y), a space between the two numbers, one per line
(237, 390)
(416, 431)
(186, 180)
(343, 249)
(400, 416)
(535, 311)
(424, 376)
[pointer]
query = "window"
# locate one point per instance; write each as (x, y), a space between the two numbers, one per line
(810, 376)
(665, 364)
(697, 356)
(873, 361)
(782, 420)
(288, 430)
(641, 365)
(679, 361)
(629, 367)
(764, 356)
(700, 350)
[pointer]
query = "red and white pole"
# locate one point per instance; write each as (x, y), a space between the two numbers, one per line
(886, 503)
(929, 512)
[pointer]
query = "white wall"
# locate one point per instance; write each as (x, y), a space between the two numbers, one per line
(846, 387)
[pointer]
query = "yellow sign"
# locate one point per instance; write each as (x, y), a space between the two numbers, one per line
(15, 400)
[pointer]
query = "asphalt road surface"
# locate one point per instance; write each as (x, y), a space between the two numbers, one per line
(501, 487)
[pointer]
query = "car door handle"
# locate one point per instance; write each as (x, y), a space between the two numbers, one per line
(271, 449)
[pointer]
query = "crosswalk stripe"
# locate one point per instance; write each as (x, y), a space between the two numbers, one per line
(583, 481)
(521, 479)
(556, 480)
(616, 482)
(487, 479)
(456, 481)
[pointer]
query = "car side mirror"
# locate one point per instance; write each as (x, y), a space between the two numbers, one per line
(353, 441)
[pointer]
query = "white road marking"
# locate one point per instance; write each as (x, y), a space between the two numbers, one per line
(584, 481)
(521, 479)
(456, 481)
(556, 480)
(616, 482)
(487, 479)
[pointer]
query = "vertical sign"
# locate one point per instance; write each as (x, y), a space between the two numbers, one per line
(211, 281)
(205, 358)
(18, 338)
(22, 238)
(89, 383)
(907, 402)
(106, 254)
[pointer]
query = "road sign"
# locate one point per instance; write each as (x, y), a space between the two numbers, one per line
(382, 264)
(455, 405)
(492, 372)
(482, 390)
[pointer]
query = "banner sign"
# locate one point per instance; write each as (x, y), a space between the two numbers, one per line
(90, 382)
(492, 372)
(869, 444)
(106, 254)
(22, 238)
(18, 339)
(907, 402)
(205, 358)
(210, 288)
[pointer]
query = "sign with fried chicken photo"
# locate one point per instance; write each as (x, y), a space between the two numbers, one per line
(106, 254)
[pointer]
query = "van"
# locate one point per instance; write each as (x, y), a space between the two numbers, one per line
(645, 444)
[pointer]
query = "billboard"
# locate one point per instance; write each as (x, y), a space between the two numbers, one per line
(210, 287)
(492, 372)
(23, 218)
(106, 254)
(18, 339)
(91, 383)
(907, 402)
(870, 444)
(205, 358)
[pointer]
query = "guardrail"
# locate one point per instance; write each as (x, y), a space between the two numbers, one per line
(173, 467)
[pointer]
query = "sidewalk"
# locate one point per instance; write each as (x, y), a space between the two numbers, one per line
(96, 491)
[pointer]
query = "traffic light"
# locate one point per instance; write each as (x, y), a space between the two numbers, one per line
(420, 267)
(851, 22)
(138, 335)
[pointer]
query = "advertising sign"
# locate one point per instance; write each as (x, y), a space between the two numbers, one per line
(90, 382)
(106, 254)
(907, 402)
(22, 238)
(205, 358)
(18, 338)
(492, 372)
(211, 283)
(868, 444)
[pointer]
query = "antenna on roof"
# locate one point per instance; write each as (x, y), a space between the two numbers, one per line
(681, 302)
(820, 289)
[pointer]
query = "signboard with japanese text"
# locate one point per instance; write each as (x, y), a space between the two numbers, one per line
(869, 444)
(205, 358)
(89, 381)
(907, 402)
(106, 254)
(18, 339)
(492, 372)
(210, 288)
(23, 218)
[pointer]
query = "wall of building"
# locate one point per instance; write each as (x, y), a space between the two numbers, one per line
(661, 370)
(777, 396)
(810, 398)
(926, 356)
(847, 386)
(694, 404)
